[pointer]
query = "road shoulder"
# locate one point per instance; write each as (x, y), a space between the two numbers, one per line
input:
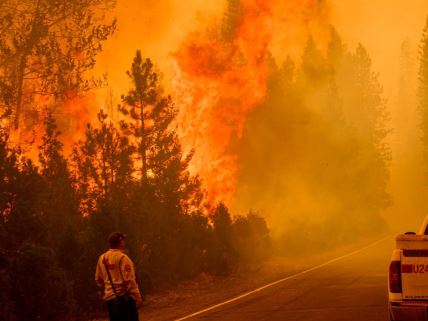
(208, 290)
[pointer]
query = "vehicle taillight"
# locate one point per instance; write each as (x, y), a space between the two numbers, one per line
(395, 277)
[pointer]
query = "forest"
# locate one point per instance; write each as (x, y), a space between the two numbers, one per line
(313, 159)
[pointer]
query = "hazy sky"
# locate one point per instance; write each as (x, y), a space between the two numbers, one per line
(381, 26)
(158, 27)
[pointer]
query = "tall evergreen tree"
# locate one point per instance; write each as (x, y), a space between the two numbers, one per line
(102, 165)
(314, 69)
(138, 105)
(21, 185)
(423, 91)
(58, 202)
(321, 132)
(406, 79)
(337, 50)
(149, 116)
(232, 19)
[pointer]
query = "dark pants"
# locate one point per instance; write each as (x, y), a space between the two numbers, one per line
(122, 309)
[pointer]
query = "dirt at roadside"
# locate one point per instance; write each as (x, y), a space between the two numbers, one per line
(207, 290)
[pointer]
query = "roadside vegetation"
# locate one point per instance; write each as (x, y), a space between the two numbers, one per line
(58, 209)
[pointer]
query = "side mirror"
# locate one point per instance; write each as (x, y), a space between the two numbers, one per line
(410, 233)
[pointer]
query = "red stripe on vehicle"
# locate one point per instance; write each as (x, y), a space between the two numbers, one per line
(406, 268)
(415, 253)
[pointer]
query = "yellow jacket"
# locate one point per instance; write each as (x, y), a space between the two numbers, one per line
(122, 272)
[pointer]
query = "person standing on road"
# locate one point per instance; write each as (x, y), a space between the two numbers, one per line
(115, 277)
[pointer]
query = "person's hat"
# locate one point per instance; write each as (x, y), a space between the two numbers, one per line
(115, 238)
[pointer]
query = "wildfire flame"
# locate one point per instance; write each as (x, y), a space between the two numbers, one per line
(72, 116)
(221, 79)
(220, 76)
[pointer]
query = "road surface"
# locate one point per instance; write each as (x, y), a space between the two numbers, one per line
(349, 289)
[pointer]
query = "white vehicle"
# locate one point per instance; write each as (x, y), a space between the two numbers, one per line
(408, 277)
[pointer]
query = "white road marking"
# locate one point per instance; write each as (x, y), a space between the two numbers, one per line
(239, 297)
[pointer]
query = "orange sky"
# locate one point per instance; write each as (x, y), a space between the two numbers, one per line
(155, 27)
(158, 27)
(381, 26)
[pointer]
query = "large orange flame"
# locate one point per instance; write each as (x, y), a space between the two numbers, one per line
(220, 79)
(71, 115)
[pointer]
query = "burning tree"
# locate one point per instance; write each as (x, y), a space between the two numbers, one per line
(149, 117)
(46, 47)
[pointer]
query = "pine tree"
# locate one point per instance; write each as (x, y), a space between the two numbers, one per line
(314, 68)
(166, 190)
(102, 165)
(149, 117)
(337, 50)
(20, 188)
(225, 255)
(321, 133)
(423, 91)
(138, 106)
(58, 202)
(9, 175)
(232, 19)
(406, 80)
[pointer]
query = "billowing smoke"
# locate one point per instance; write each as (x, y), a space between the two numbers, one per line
(222, 75)
(265, 141)
(218, 58)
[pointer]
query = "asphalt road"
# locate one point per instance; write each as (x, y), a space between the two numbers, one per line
(350, 289)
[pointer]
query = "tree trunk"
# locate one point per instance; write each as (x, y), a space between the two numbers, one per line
(143, 145)
(20, 89)
(32, 39)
